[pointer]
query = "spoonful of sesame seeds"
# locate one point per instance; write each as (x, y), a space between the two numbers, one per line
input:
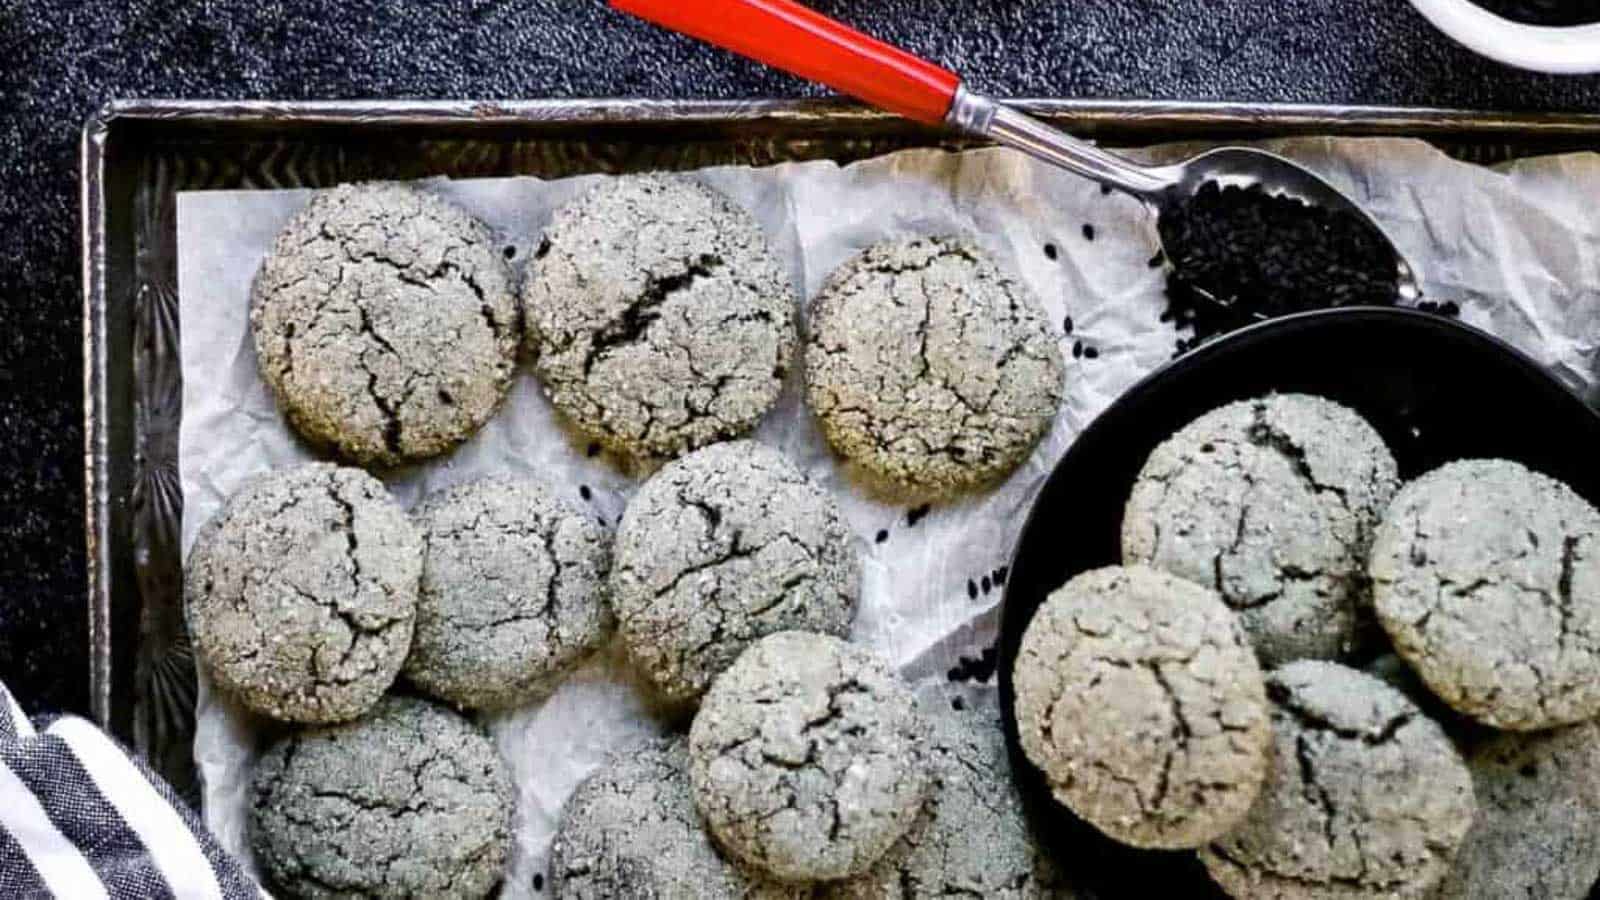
(1248, 233)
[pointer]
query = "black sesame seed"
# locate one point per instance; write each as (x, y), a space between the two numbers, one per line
(980, 669)
(1450, 308)
(958, 704)
(1240, 255)
(883, 535)
(1088, 232)
(1066, 325)
(1000, 575)
(509, 251)
(1104, 189)
(1077, 349)
(915, 514)
(986, 584)
(542, 249)
(584, 492)
(975, 669)
(1050, 251)
(592, 451)
(538, 882)
(1091, 353)
(972, 589)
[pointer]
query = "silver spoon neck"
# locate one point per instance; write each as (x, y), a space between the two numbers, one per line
(983, 117)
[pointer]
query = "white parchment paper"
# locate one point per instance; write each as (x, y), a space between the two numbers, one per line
(1518, 248)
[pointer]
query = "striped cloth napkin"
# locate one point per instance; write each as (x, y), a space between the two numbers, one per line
(81, 820)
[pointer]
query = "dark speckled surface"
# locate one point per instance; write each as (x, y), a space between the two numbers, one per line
(62, 59)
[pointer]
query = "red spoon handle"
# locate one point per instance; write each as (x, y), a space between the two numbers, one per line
(788, 36)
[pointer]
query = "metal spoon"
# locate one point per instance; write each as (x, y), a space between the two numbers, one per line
(791, 37)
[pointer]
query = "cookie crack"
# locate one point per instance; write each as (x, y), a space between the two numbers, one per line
(352, 543)
(1180, 731)
(1569, 554)
(551, 599)
(1262, 433)
(392, 427)
(735, 550)
(1217, 576)
(1285, 700)
(642, 312)
(1312, 790)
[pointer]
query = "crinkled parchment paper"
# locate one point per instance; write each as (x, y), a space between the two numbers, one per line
(1518, 248)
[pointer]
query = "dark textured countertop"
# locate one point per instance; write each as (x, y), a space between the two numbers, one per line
(63, 58)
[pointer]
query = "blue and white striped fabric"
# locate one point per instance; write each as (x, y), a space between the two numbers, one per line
(81, 820)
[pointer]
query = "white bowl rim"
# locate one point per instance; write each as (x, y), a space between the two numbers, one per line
(1569, 50)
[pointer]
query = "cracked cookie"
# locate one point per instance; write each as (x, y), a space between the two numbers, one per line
(658, 318)
(719, 548)
(512, 593)
(1486, 575)
(929, 367)
(1272, 502)
(1365, 798)
(1537, 832)
(300, 594)
(971, 838)
(631, 832)
(806, 758)
(385, 320)
(1139, 697)
(408, 801)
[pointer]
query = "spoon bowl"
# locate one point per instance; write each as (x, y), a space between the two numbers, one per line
(1245, 167)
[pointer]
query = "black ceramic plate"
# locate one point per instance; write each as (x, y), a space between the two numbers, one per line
(1435, 389)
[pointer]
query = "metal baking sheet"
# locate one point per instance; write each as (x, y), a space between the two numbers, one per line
(136, 156)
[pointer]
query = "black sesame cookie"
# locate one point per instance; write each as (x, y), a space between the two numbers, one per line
(719, 548)
(1537, 832)
(408, 801)
(972, 837)
(386, 322)
(929, 367)
(658, 318)
(512, 594)
(1139, 697)
(1271, 502)
(1486, 575)
(301, 593)
(631, 832)
(1366, 797)
(807, 758)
